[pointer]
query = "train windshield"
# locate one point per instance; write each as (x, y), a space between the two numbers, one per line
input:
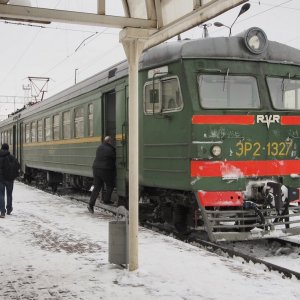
(228, 91)
(285, 92)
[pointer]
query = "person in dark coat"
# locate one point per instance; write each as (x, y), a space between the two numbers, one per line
(104, 171)
(5, 184)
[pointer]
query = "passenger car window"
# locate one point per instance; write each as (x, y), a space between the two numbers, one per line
(285, 92)
(79, 124)
(47, 129)
(228, 91)
(91, 117)
(162, 96)
(39, 130)
(56, 127)
(33, 132)
(27, 133)
(66, 125)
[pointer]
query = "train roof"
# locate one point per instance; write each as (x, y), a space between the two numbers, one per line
(230, 48)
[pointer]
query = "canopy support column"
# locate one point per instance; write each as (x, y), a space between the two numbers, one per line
(133, 41)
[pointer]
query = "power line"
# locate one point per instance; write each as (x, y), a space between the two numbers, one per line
(91, 63)
(272, 5)
(10, 96)
(50, 27)
(267, 10)
(20, 58)
(73, 53)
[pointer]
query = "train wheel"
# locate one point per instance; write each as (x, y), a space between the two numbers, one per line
(54, 187)
(180, 218)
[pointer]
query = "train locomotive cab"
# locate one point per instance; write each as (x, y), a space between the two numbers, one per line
(223, 159)
(245, 138)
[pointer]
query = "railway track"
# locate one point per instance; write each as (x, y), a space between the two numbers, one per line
(209, 246)
(213, 247)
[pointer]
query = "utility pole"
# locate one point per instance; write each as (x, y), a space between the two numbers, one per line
(75, 76)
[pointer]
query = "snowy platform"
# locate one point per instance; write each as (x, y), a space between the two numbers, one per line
(52, 248)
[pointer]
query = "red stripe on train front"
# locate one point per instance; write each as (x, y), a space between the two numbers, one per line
(290, 120)
(244, 168)
(225, 119)
(220, 198)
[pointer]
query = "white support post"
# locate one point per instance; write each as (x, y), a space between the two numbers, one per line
(133, 46)
(101, 7)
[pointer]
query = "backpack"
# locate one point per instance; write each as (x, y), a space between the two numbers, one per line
(11, 168)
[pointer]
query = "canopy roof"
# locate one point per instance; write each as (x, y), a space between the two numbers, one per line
(157, 20)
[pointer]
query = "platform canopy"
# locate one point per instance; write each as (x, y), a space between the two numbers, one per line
(162, 18)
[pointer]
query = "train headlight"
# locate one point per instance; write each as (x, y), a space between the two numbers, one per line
(216, 150)
(256, 40)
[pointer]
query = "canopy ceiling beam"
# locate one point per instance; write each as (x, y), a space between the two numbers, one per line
(31, 14)
(189, 21)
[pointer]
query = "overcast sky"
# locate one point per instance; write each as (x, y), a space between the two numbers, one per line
(56, 50)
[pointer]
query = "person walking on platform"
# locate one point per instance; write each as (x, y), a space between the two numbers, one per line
(9, 171)
(104, 171)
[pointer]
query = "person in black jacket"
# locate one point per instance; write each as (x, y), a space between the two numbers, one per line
(5, 183)
(104, 171)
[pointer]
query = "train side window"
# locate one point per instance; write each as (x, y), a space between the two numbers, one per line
(162, 96)
(91, 119)
(5, 136)
(27, 133)
(47, 133)
(285, 92)
(228, 91)
(79, 122)
(39, 130)
(66, 125)
(56, 127)
(171, 95)
(33, 132)
(11, 137)
(151, 98)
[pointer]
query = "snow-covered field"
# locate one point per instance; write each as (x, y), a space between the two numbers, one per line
(52, 248)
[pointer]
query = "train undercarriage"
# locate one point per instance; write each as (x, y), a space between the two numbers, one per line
(50, 179)
(267, 208)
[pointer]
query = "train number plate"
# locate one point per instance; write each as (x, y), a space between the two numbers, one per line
(257, 149)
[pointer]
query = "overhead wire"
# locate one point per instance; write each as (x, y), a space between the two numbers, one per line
(72, 54)
(92, 63)
(30, 44)
(103, 55)
(95, 34)
(272, 6)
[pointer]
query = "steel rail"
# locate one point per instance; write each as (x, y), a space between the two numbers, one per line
(272, 267)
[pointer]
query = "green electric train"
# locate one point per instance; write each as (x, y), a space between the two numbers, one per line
(219, 135)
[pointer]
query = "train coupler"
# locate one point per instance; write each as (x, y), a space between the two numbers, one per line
(252, 205)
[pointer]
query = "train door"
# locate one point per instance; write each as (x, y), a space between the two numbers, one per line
(109, 114)
(14, 140)
(19, 142)
(121, 139)
(114, 116)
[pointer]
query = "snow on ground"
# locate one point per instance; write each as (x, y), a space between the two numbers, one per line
(285, 256)
(52, 248)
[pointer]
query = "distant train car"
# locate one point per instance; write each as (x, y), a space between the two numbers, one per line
(219, 135)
